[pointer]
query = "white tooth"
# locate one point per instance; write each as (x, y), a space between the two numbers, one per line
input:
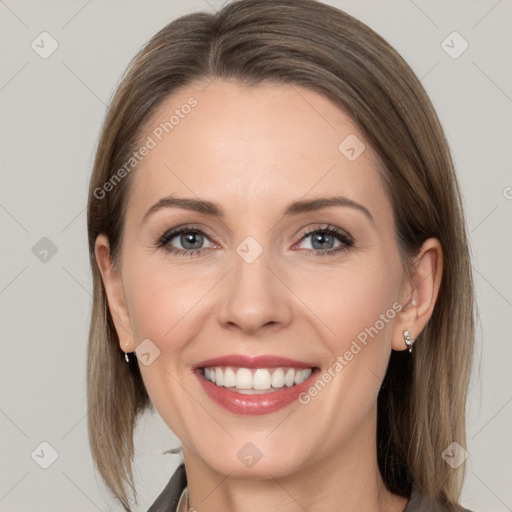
(261, 379)
(229, 378)
(243, 378)
(300, 376)
(290, 377)
(306, 373)
(278, 378)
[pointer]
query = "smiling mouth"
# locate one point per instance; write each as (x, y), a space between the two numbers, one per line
(255, 381)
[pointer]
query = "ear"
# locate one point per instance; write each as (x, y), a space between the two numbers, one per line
(419, 292)
(113, 284)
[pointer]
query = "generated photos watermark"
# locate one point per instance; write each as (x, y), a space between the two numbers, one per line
(151, 142)
(344, 359)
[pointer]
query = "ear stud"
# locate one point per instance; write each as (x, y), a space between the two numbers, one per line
(409, 340)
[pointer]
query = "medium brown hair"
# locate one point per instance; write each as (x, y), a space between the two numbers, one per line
(421, 405)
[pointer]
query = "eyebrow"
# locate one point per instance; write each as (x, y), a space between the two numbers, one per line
(296, 208)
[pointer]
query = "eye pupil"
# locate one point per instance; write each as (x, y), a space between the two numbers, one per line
(322, 239)
(193, 238)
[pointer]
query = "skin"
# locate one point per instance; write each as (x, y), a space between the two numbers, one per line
(253, 150)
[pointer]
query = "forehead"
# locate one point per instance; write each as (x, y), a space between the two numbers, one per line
(259, 145)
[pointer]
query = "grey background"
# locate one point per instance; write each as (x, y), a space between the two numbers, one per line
(50, 115)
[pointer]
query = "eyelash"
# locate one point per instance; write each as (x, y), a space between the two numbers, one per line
(343, 236)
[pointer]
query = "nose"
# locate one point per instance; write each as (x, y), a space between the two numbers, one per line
(254, 297)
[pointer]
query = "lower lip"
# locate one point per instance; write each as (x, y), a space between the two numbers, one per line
(265, 403)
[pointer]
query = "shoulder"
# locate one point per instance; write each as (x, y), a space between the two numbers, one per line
(168, 499)
(419, 503)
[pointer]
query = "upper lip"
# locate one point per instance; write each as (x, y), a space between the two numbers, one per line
(245, 361)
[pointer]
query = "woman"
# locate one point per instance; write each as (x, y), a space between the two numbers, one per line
(280, 269)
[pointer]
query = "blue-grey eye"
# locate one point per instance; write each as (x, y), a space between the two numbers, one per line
(327, 239)
(191, 240)
(320, 240)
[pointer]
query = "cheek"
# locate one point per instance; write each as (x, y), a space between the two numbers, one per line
(368, 308)
(163, 302)
(359, 307)
(160, 297)
(356, 301)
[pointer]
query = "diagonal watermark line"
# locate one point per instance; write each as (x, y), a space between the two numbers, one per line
(294, 88)
(167, 166)
(332, 332)
(198, 301)
(76, 14)
(481, 222)
(71, 71)
(13, 279)
(492, 418)
(380, 379)
(428, 72)
(494, 288)
(200, 404)
(208, 84)
(75, 425)
(73, 219)
(76, 280)
(424, 13)
(492, 81)
(3, 412)
(211, 492)
(85, 494)
(14, 76)
(486, 14)
(86, 414)
(285, 418)
(214, 7)
(5, 495)
(285, 490)
(14, 218)
(13, 13)
(508, 508)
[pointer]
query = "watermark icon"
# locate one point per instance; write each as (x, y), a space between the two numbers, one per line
(249, 249)
(147, 352)
(44, 455)
(151, 142)
(455, 455)
(44, 45)
(507, 193)
(343, 360)
(44, 250)
(454, 45)
(352, 147)
(249, 455)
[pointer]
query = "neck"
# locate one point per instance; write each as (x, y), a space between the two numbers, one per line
(346, 480)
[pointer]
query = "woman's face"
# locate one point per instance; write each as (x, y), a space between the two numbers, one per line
(255, 275)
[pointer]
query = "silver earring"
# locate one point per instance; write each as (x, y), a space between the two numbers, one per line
(126, 358)
(409, 340)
